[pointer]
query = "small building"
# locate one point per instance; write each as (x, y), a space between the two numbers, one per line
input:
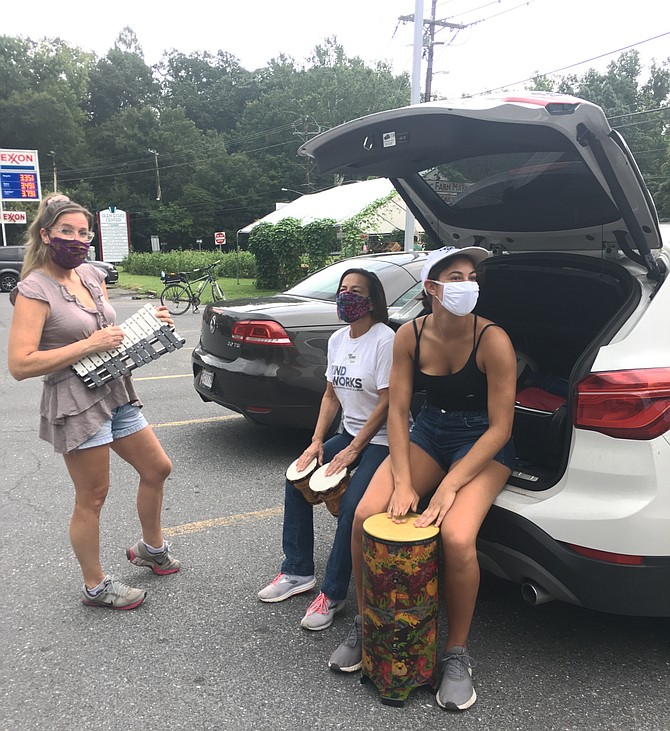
(341, 203)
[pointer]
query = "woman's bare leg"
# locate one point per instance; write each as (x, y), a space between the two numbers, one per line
(144, 453)
(459, 531)
(89, 470)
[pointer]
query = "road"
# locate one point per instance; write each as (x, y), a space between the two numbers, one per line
(202, 652)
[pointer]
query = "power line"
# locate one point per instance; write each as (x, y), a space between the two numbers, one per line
(570, 66)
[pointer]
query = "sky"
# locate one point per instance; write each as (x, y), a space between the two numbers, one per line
(505, 41)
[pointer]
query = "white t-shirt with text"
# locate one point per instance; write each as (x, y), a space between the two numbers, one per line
(358, 368)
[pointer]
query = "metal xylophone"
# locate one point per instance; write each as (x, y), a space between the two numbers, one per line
(146, 339)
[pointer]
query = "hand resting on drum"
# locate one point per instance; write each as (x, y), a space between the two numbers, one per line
(438, 507)
(403, 500)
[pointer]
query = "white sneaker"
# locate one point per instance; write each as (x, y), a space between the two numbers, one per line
(285, 585)
(321, 612)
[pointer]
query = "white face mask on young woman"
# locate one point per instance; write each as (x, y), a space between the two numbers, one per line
(459, 298)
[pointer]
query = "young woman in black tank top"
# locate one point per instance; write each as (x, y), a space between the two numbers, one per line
(459, 451)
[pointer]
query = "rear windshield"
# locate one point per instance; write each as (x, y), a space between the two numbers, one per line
(323, 284)
(548, 190)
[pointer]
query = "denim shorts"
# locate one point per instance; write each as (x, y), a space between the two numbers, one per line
(126, 420)
(447, 436)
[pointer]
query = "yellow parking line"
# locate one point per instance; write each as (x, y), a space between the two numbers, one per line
(198, 421)
(201, 525)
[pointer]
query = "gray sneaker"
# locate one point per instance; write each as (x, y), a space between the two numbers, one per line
(321, 612)
(285, 585)
(160, 563)
(347, 658)
(114, 595)
(456, 692)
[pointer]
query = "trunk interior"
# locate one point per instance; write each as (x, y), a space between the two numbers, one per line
(558, 309)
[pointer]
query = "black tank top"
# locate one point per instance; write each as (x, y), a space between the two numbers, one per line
(465, 390)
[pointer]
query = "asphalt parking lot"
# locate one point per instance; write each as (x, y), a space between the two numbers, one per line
(203, 652)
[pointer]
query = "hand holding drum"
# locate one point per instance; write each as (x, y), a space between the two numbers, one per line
(317, 487)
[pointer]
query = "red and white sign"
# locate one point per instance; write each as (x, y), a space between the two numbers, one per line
(14, 217)
(21, 158)
(220, 238)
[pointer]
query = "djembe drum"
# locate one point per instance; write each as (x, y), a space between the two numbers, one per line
(329, 489)
(400, 606)
(300, 479)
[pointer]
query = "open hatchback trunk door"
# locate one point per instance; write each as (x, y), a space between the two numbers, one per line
(541, 172)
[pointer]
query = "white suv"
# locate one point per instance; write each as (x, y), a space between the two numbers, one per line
(577, 279)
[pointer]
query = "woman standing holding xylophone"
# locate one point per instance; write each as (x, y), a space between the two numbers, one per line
(357, 374)
(61, 314)
(459, 450)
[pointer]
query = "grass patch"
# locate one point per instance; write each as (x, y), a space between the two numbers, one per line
(143, 284)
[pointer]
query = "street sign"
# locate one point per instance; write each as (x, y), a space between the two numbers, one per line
(220, 238)
(19, 175)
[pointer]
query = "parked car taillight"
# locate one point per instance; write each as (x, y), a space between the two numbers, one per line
(260, 332)
(625, 404)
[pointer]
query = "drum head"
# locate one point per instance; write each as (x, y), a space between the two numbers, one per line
(292, 473)
(380, 526)
(320, 483)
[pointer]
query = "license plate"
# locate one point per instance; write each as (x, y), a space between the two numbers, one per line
(206, 379)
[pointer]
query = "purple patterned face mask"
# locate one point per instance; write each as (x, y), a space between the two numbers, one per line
(67, 253)
(351, 306)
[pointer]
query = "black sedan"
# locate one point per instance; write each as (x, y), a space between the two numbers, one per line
(266, 357)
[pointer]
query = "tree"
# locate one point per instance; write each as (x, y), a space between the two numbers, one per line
(212, 90)
(121, 80)
(637, 109)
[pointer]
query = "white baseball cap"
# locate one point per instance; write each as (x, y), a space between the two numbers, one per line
(476, 253)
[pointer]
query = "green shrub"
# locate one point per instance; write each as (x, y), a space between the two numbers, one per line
(233, 264)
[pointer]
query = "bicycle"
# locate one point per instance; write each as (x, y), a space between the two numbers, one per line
(178, 294)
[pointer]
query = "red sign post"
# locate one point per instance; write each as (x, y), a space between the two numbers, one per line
(220, 238)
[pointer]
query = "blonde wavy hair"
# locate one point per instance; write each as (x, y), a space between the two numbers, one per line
(37, 253)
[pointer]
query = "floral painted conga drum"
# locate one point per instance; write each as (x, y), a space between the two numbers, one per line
(400, 606)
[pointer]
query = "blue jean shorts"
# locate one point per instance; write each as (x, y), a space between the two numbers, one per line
(447, 436)
(126, 420)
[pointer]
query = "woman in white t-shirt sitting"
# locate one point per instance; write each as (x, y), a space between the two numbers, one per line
(359, 364)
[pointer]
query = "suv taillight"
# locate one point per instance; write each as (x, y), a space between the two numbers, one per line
(625, 404)
(260, 332)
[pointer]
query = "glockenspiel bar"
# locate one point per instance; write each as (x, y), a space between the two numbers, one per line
(142, 332)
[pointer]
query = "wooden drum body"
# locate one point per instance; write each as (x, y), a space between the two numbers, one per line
(400, 606)
(329, 489)
(300, 480)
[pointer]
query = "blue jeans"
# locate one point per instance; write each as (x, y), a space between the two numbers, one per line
(448, 436)
(298, 531)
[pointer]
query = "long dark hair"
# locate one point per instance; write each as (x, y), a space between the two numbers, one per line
(379, 311)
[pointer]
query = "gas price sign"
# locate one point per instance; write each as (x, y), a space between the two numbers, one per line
(19, 175)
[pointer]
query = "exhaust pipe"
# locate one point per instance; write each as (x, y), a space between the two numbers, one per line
(534, 594)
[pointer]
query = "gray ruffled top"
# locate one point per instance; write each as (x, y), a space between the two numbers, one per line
(70, 412)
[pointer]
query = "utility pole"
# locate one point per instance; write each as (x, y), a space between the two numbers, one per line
(158, 175)
(431, 47)
(430, 43)
(52, 155)
(415, 98)
(304, 134)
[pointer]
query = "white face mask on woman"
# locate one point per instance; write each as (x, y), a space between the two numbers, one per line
(459, 298)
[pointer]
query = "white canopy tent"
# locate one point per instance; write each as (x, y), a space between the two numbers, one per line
(341, 203)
